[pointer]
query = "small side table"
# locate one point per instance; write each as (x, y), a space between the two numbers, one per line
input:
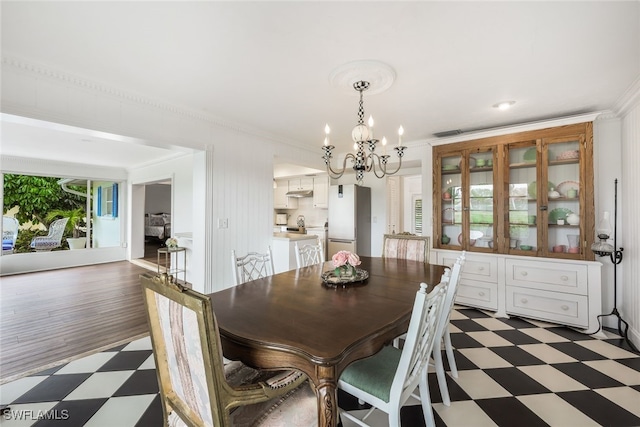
(171, 264)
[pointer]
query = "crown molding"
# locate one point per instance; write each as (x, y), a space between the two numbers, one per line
(44, 71)
(504, 130)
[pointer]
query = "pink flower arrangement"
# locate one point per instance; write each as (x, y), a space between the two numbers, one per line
(346, 261)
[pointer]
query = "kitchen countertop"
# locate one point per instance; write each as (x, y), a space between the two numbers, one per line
(292, 236)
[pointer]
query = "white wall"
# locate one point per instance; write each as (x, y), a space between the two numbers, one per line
(629, 196)
(157, 198)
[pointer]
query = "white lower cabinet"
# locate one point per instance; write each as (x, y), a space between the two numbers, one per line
(556, 307)
(478, 280)
(478, 294)
(557, 291)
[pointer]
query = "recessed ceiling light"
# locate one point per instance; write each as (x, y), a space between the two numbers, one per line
(505, 105)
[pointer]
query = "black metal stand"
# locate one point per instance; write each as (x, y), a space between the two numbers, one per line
(616, 258)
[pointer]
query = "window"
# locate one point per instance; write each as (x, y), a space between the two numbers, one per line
(417, 216)
(107, 204)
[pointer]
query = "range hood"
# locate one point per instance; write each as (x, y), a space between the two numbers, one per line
(300, 193)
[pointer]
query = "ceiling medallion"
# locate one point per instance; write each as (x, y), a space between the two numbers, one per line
(379, 75)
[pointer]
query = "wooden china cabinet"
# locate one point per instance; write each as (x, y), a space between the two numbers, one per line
(522, 206)
(528, 194)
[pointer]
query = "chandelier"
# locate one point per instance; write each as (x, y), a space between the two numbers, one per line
(365, 158)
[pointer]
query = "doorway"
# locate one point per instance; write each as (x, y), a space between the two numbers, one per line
(404, 204)
(151, 220)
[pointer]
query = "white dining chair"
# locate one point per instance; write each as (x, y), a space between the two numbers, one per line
(387, 379)
(443, 335)
(251, 266)
(309, 254)
(452, 277)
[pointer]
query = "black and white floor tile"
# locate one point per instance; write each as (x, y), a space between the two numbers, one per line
(512, 372)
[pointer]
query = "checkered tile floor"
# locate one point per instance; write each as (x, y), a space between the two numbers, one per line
(512, 372)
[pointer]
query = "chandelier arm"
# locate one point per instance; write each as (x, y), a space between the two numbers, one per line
(335, 174)
(383, 169)
(397, 169)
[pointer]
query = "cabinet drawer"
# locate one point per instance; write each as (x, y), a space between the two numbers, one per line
(551, 276)
(568, 309)
(477, 294)
(484, 269)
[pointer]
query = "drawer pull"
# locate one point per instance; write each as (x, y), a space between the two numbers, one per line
(524, 300)
(481, 294)
(565, 307)
(564, 278)
(480, 268)
(524, 273)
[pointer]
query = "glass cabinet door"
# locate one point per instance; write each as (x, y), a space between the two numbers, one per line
(523, 218)
(467, 200)
(480, 204)
(451, 201)
(563, 197)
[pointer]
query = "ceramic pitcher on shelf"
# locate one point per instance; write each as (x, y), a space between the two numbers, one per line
(573, 219)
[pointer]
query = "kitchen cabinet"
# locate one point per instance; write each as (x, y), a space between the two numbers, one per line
(527, 194)
(280, 199)
(301, 184)
(562, 291)
(321, 192)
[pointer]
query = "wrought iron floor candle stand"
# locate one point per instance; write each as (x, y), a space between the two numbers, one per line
(602, 249)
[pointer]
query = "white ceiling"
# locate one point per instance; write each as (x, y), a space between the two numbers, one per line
(266, 65)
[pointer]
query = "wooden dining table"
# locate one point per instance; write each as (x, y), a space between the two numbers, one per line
(294, 320)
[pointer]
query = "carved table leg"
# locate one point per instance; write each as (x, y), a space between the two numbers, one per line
(327, 392)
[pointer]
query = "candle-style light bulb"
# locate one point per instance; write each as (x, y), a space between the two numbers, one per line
(370, 123)
(327, 131)
(384, 145)
(400, 133)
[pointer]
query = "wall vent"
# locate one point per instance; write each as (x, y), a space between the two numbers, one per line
(448, 133)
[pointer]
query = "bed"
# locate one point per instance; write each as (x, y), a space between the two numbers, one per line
(157, 226)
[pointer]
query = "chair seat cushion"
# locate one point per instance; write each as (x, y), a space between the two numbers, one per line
(374, 375)
(297, 408)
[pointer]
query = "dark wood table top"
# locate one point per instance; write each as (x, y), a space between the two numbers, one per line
(293, 320)
(295, 310)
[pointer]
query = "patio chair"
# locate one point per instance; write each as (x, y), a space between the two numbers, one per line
(53, 239)
(251, 266)
(309, 254)
(387, 379)
(406, 246)
(196, 388)
(9, 234)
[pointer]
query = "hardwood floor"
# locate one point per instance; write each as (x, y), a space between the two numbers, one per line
(47, 318)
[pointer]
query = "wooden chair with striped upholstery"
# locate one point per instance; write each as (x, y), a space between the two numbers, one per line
(196, 387)
(406, 246)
